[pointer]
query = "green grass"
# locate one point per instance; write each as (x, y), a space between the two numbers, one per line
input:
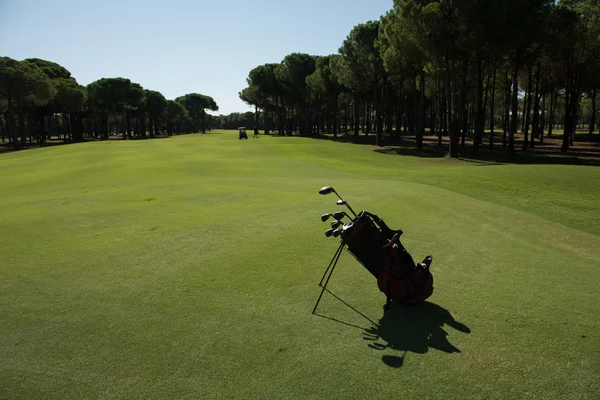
(188, 268)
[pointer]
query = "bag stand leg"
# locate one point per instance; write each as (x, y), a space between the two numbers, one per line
(339, 250)
(330, 268)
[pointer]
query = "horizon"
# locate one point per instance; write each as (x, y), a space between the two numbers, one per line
(160, 46)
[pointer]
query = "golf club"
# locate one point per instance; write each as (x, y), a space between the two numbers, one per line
(340, 214)
(325, 217)
(329, 233)
(336, 224)
(337, 232)
(347, 225)
(328, 189)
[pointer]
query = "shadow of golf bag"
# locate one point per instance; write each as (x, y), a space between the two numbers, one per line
(378, 248)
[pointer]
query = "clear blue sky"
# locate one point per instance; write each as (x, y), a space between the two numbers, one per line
(178, 46)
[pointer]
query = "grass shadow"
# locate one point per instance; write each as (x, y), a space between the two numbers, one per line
(414, 329)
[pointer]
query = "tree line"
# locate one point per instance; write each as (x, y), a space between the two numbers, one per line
(39, 100)
(468, 70)
(233, 121)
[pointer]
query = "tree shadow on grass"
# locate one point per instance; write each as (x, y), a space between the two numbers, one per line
(412, 151)
(543, 153)
(416, 329)
(487, 158)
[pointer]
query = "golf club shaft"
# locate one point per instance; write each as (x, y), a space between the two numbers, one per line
(345, 203)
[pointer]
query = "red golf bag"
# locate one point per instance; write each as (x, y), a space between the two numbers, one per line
(379, 250)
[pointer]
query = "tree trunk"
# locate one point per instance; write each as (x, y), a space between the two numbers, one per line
(22, 136)
(346, 119)
(378, 116)
(479, 113)
(255, 120)
(105, 128)
(2, 131)
(507, 105)
(416, 120)
(76, 128)
(128, 123)
(492, 103)
(443, 114)
(524, 112)
(593, 118)
(267, 122)
(421, 131)
(568, 122)
(528, 112)
(397, 122)
(463, 101)
(12, 132)
(390, 114)
(453, 111)
(66, 128)
(151, 125)
(356, 116)
(514, 106)
(335, 114)
(142, 121)
(553, 99)
(575, 112)
(433, 129)
(543, 116)
(535, 125)
(367, 127)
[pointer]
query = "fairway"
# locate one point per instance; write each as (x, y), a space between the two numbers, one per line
(188, 267)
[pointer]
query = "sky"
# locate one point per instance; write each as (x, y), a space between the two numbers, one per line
(178, 46)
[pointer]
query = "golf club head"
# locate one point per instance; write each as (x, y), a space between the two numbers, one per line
(341, 202)
(336, 224)
(329, 233)
(339, 215)
(326, 190)
(337, 232)
(347, 226)
(325, 217)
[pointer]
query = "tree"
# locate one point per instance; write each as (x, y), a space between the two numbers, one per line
(325, 89)
(70, 98)
(196, 106)
(156, 106)
(109, 96)
(175, 112)
(292, 74)
(22, 84)
(251, 96)
(405, 59)
(262, 84)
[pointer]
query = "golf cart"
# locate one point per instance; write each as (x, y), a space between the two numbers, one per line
(242, 134)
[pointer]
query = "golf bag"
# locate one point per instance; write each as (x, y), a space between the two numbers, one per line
(379, 249)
